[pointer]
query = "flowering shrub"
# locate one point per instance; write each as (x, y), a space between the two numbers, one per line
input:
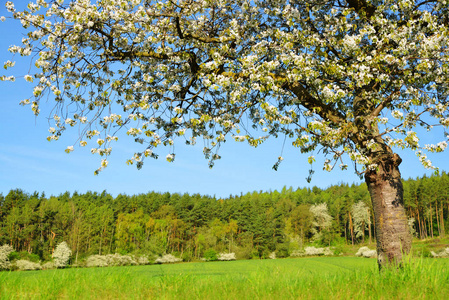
(226, 256)
(366, 252)
(26, 265)
(120, 260)
(142, 260)
(48, 265)
(62, 255)
(361, 215)
(322, 220)
(5, 250)
(97, 261)
(313, 251)
(111, 260)
(443, 253)
(272, 255)
(167, 258)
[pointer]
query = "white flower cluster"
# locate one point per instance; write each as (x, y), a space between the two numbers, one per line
(9, 64)
(61, 255)
(442, 253)
(440, 147)
(397, 114)
(5, 251)
(167, 259)
(313, 251)
(226, 256)
(7, 78)
(116, 259)
(28, 78)
(359, 158)
(48, 265)
(69, 149)
(170, 157)
(360, 213)
(427, 163)
(26, 265)
(234, 79)
(366, 252)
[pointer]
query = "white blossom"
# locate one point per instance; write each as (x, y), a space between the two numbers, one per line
(28, 78)
(69, 149)
(170, 157)
(61, 255)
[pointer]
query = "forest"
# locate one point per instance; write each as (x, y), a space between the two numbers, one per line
(251, 225)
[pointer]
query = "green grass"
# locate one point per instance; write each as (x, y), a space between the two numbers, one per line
(300, 278)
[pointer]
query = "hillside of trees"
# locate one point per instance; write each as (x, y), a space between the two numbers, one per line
(250, 225)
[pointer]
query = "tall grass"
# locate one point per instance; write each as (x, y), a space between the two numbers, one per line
(301, 278)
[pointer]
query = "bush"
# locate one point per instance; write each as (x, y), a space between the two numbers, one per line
(62, 255)
(24, 255)
(142, 260)
(366, 252)
(243, 252)
(167, 258)
(97, 261)
(442, 253)
(313, 251)
(5, 251)
(338, 250)
(186, 256)
(226, 256)
(210, 255)
(113, 260)
(26, 265)
(49, 265)
(282, 250)
(120, 260)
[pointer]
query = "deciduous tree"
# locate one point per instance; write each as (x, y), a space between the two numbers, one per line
(349, 78)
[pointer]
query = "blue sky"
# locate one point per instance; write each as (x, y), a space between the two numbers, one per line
(29, 162)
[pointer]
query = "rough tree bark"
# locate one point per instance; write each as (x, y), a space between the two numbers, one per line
(392, 234)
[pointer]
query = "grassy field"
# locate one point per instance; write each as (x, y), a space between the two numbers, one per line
(299, 278)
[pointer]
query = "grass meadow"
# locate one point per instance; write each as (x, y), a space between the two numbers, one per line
(292, 278)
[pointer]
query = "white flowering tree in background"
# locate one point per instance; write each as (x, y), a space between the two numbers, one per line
(362, 218)
(322, 220)
(351, 79)
(61, 255)
(5, 251)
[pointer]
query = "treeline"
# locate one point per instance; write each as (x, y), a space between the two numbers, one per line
(251, 225)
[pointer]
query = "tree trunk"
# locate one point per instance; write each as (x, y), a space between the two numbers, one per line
(431, 221)
(369, 230)
(346, 229)
(419, 223)
(351, 226)
(424, 226)
(438, 218)
(392, 234)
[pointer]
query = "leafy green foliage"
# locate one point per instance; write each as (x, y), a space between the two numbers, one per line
(252, 225)
(210, 255)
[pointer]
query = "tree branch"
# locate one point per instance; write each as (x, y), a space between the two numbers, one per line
(362, 6)
(325, 111)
